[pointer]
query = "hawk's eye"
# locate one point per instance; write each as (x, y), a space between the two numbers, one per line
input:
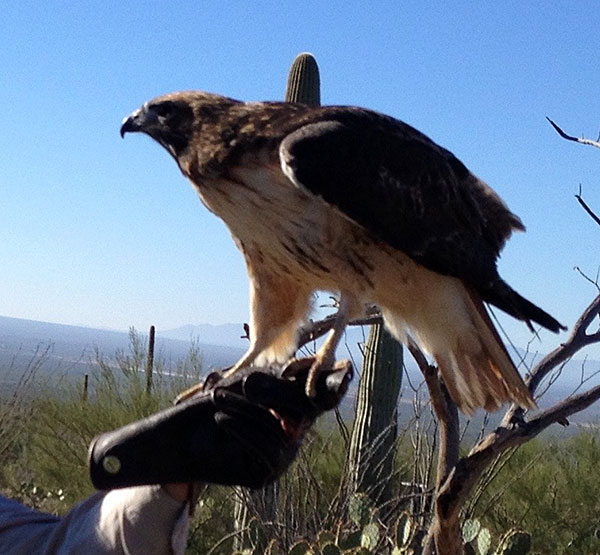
(164, 109)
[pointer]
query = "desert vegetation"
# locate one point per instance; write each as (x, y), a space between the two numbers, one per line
(542, 496)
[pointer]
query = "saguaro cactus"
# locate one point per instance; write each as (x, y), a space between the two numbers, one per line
(304, 84)
(371, 454)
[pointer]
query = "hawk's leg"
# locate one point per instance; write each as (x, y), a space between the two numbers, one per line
(246, 360)
(325, 356)
(278, 305)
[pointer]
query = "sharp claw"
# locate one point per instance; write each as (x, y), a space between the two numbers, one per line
(227, 372)
(312, 366)
(311, 383)
(189, 393)
(208, 383)
(297, 366)
(319, 365)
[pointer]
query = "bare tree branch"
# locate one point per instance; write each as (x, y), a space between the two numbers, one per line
(514, 431)
(583, 141)
(594, 281)
(446, 412)
(470, 467)
(453, 493)
(578, 339)
(313, 330)
(580, 140)
(585, 206)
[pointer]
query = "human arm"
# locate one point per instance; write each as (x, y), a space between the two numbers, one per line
(137, 520)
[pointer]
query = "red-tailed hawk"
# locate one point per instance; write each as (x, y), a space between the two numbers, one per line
(348, 200)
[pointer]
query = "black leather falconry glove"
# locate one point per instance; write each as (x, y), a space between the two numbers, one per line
(243, 430)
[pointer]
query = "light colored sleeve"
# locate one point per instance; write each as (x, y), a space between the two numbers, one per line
(130, 521)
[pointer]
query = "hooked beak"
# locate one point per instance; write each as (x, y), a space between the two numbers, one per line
(136, 122)
(167, 122)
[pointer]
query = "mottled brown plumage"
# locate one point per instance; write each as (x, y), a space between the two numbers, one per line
(352, 201)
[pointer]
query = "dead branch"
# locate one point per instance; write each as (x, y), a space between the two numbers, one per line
(454, 492)
(578, 339)
(580, 140)
(583, 141)
(446, 412)
(585, 206)
(314, 330)
(469, 468)
(514, 431)
(587, 278)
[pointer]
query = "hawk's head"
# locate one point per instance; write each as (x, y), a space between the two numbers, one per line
(173, 119)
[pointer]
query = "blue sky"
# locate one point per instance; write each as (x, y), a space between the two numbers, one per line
(103, 232)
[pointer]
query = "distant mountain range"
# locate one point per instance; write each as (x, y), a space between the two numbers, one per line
(226, 335)
(72, 350)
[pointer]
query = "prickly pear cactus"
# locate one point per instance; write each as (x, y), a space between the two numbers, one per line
(405, 531)
(330, 549)
(470, 529)
(370, 536)
(478, 540)
(360, 508)
(325, 537)
(301, 548)
(304, 84)
(484, 541)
